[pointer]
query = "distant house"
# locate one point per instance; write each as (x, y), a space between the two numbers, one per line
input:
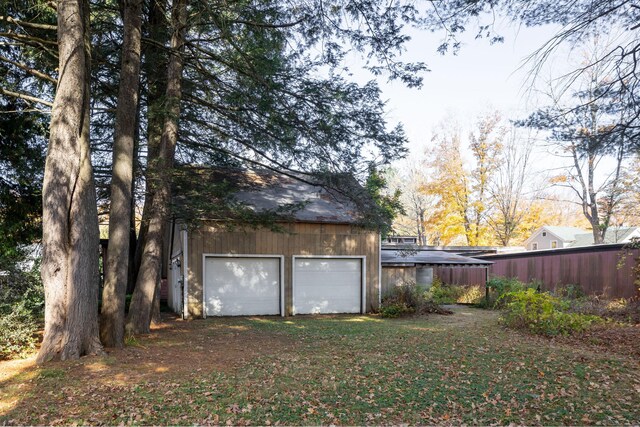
(552, 237)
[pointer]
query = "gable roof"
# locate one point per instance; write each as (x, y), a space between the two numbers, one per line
(566, 234)
(268, 191)
(271, 191)
(613, 235)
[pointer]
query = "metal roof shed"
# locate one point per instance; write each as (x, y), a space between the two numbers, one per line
(429, 258)
(399, 266)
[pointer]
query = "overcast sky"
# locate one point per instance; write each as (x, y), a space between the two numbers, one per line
(481, 77)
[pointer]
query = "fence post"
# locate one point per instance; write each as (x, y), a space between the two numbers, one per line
(486, 285)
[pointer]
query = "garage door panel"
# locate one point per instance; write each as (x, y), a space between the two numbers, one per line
(327, 286)
(242, 286)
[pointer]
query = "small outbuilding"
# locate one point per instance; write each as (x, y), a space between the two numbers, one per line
(401, 266)
(319, 260)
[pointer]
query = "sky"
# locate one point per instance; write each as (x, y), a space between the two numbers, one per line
(479, 78)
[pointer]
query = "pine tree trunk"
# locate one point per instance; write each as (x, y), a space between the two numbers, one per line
(155, 66)
(116, 270)
(156, 317)
(70, 237)
(159, 175)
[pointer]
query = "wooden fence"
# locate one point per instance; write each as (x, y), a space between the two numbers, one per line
(608, 270)
(461, 276)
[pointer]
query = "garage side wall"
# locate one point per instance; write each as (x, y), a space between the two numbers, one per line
(298, 239)
(174, 263)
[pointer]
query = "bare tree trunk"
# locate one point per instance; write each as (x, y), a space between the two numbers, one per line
(422, 240)
(159, 173)
(116, 271)
(70, 219)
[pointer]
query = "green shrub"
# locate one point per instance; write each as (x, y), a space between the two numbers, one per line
(501, 286)
(440, 293)
(542, 313)
(571, 292)
(408, 298)
(18, 332)
(395, 310)
(21, 312)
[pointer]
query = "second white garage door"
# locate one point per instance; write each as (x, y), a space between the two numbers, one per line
(242, 286)
(327, 285)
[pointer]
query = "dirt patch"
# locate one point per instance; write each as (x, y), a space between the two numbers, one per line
(178, 347)
(466, 316)
(175, 353)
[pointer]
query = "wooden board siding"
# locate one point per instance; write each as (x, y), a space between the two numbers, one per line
(597, 270)
(297, 239)
(461, 276)
(396, 276)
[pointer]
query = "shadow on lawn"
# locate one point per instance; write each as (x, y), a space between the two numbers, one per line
(176, 353)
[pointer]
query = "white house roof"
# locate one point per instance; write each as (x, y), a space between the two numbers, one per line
(613, 235)
(567, 234)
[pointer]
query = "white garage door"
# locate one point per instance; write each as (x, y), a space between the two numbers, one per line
(242, 286)
(327, 285)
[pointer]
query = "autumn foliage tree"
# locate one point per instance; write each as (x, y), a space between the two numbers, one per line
(510, 190)
(464, 193)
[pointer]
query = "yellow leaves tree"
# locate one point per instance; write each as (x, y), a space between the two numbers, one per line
(486, 145)
(463, 193)
(535, 214)
(448, 182)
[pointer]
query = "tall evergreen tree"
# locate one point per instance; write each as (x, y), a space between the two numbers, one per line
(117, 263)
(70, 220)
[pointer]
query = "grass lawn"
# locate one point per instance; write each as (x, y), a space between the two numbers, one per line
(463, 368)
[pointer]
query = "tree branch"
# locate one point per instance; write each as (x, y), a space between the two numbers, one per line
(29, 70)
(25, 97)
(29, 24)
(24, 37)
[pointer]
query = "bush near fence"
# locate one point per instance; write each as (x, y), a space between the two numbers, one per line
(608, 271)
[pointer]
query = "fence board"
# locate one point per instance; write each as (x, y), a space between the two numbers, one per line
(605, 270)
(460, 276)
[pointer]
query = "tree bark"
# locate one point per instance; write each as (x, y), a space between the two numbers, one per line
(159, 173)
(116, 271)
(155, 66)
(70, 219)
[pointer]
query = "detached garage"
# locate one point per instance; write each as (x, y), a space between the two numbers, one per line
(320, 260)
